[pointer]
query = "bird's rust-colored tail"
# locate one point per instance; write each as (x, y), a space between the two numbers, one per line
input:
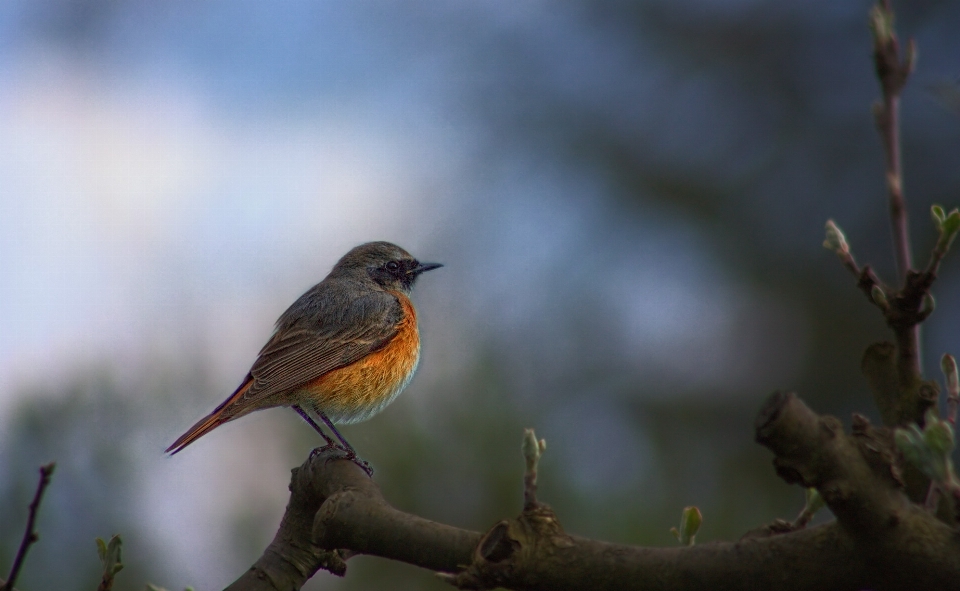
(219, 416)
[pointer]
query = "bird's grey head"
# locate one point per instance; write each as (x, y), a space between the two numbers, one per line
(388, 265)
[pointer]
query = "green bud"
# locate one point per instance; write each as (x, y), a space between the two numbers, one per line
(938, 216)
(835, 239)
(949, 366)
(814, 502)
(952, 222)
(110, 556)
(881, 24)
(928, 305)
(532, 449)
(930, 449)
(690, 521)
(949, 229)
(910, 445)
(879, 297)
(938, 435)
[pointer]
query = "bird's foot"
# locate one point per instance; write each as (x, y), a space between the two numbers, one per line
(353, 457)
(345, 453)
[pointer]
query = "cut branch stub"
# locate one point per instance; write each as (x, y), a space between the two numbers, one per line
(854, 474)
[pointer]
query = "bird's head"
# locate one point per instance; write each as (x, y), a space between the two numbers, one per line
(388, 265)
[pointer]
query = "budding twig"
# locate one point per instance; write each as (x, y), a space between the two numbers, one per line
(893, 71)
(532, 449)
(30, 536)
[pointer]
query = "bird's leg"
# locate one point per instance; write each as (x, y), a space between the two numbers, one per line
(303, 414)
(326, 421)
(353, 453)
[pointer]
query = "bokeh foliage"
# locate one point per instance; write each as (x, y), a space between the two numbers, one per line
(744, 126)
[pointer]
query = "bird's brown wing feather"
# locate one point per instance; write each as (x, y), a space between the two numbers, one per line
(303, 348)
(301, 354)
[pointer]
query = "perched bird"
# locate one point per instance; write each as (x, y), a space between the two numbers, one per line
(344, 350)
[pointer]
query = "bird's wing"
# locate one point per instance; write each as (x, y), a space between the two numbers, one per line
(302, 353)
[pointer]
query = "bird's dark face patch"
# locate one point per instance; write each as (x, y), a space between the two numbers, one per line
(399, 273)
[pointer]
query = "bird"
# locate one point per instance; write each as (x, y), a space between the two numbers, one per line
(344, 349)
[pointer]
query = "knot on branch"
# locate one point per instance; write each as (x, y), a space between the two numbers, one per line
(907, 307)
(510, 548)
(878, 449)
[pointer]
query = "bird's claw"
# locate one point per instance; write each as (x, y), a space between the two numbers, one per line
(348, 454)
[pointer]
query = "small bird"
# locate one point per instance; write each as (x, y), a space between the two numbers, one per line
(344, 350)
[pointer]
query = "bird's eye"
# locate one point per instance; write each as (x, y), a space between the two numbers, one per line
(393, 265)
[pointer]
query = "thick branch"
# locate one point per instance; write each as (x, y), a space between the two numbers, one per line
(533, 551)
(355, 516)
(291, 559)
(904, 546)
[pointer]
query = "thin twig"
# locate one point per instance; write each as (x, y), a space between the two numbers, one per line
(893, 71)
(848, 261)
(935, 257)
(532, 449)
(867, 281)
(29, 535)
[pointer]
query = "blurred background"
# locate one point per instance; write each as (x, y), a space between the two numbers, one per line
(628, 196)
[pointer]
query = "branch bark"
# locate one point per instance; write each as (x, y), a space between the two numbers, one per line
(900, 545)
(880, 539)
(291, 558)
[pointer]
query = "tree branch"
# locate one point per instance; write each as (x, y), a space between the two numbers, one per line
(893, 71)
(30, 535)
(291, 559)
(880, 540)
(900, 545)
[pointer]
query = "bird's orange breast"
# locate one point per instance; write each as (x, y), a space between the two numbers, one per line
(362, 389)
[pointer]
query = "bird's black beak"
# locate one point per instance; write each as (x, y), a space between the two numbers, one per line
(423, 268)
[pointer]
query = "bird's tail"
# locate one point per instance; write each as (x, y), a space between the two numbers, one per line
(219, 416)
